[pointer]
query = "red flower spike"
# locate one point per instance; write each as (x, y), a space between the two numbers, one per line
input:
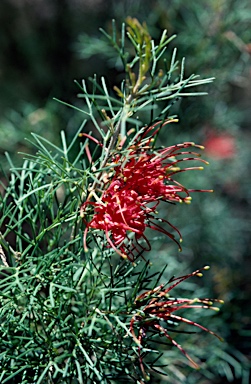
(220, 146)
(139, 179)
(156, 306)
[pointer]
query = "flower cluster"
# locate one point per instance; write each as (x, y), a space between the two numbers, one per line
(141, 177)
(155, 307)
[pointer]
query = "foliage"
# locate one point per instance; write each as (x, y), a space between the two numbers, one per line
(75, 315)
(214, 36)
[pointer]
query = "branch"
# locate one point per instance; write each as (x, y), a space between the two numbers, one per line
(3, 257)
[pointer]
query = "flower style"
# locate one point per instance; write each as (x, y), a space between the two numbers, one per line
(141, 177)
(155, 307)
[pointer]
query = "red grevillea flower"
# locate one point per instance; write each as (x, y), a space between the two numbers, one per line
(156, 307)
(141, 177)
(220, 146)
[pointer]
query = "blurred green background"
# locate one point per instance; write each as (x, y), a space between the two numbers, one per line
(46, 44)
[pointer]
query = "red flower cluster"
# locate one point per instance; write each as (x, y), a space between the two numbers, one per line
(220, 146)
(141, 177)
(156, 306)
